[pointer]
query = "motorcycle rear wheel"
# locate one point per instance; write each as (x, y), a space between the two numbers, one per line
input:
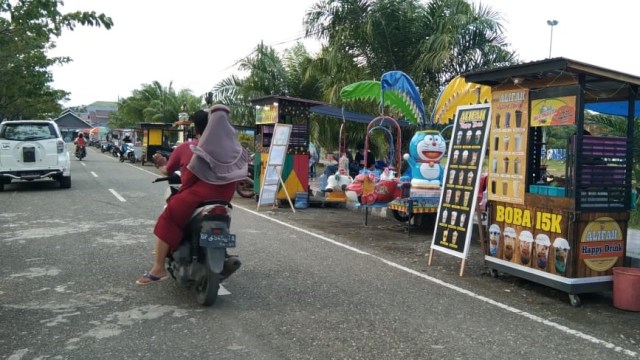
(244, 188)
(207, 288)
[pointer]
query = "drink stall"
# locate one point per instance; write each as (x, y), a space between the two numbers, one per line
(153, 140)
(271, 110)
(568, 237)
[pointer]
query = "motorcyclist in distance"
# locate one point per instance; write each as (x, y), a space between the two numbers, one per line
(125, 144)
(81, 144)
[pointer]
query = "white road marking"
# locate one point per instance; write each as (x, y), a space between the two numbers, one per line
(118, 196)
(94, 174)
(18, 354)
(223, 291)
(453, 287)
(83, 164)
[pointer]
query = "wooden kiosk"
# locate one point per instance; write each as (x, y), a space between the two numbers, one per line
(285, 110)
(567, 237)
(152, 139)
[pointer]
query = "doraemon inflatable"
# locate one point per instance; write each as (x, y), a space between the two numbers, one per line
(426, 149)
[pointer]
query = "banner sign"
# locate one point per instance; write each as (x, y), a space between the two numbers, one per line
(454, 222)
(508, 149)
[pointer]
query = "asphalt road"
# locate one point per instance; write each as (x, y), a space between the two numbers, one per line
(70, 259)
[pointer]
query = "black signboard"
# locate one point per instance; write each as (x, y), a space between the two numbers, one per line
(467, 148)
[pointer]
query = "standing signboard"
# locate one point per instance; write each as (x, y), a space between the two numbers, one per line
(275, 162)
(467, 148)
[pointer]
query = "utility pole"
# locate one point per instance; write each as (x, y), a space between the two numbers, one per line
(551, 23)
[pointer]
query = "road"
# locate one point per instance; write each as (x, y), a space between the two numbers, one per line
(70, 259)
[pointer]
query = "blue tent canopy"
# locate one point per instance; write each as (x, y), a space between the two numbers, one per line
(620, 108)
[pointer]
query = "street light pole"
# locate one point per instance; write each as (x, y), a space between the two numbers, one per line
(551, 23)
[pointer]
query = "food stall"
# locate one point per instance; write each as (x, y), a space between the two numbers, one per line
(285, 110)
(153, 140)
(568, 237)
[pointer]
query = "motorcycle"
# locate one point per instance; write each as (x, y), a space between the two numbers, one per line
(128, 154)
(115, 151)
(244, 187)
(106, 147)
(81, 152)
(201, 260)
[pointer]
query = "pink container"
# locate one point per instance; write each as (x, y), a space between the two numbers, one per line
(626, 288)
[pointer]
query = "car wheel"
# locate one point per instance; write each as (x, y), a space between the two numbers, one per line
(1, 185)
(65, 182)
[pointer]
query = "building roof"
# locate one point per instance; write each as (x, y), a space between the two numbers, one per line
(603, 89)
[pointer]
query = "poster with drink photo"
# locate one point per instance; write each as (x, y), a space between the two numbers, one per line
(454, 221)
(508, 145)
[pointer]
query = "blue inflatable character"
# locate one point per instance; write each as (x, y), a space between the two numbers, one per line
(426, 149)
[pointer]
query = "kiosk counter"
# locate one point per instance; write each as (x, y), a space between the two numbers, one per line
(571, 236)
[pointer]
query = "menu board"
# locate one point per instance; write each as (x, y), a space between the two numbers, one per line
(454, 221)
(275, 162)
(508, 145)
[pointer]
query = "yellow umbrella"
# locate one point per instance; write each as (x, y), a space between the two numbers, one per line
(459, 92)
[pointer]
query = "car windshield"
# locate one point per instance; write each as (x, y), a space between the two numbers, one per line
(27, 132)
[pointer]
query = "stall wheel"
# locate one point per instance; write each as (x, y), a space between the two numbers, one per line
(575, 300)
(493, 273)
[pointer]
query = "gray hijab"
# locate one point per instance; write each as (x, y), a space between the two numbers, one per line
(219, 158)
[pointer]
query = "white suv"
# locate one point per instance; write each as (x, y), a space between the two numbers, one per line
(33, 149)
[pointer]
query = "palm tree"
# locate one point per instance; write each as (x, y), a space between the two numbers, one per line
(462, 38)
(265, 75)
(154, 103)
(431, 43)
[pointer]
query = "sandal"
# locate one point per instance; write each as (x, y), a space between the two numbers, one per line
(149, 278)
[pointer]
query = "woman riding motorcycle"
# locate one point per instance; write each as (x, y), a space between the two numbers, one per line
(81, 143)
(218, 162)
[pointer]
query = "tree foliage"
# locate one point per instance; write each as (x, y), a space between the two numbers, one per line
(154, 103)
(28, 29)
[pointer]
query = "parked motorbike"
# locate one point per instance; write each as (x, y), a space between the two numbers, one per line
(106, 147)
(244, 187)
(201, 260)
(81, 152)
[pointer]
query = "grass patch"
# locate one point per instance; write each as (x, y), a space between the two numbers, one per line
(634, 220)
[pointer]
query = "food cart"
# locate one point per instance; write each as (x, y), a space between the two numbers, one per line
(567, 237)
(153, 140)
(162, 137)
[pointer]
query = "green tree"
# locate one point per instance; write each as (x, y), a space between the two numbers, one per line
(154, 103)
(28, 29)
(461, 38)
(264, 73)
(431, 43)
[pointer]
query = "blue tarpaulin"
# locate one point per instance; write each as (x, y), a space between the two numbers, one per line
(620, 108)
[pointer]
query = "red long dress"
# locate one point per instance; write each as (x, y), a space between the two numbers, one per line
(175, 216)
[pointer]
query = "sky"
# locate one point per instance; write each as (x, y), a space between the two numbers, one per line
(193, 44)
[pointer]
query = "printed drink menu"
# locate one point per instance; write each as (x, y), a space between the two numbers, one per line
(462, 176)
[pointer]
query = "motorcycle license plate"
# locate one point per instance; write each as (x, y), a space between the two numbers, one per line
(217, 240)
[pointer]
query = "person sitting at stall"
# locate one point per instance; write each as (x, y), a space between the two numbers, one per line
(360, 158)
(181, 155)
(218, 162)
